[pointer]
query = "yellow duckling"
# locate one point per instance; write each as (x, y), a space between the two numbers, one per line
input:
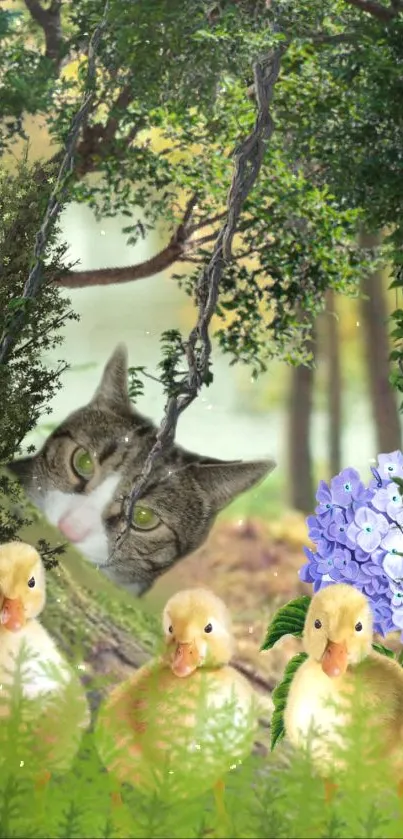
(338, 637)
(58, 706)
(185, 719)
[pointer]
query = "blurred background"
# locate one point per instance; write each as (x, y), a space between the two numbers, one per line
(316, 421)
(313, 421)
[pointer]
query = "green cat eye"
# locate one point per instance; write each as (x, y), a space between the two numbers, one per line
(144, 518)
(83, 463)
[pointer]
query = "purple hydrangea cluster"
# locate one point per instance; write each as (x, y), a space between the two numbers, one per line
(358, 533)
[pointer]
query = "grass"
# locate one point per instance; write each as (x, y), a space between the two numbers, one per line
(264, 797)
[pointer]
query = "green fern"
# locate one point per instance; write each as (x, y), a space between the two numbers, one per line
(280, 695)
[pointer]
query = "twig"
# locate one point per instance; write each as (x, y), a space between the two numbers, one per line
(207, 222)
(36, 277)
(54, 325)
(197, 243)
(185, 258)
(248, 161)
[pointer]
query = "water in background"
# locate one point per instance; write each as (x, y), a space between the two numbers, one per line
(219, 423)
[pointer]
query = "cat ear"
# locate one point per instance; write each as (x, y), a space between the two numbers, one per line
(222, 481)
(112, 390)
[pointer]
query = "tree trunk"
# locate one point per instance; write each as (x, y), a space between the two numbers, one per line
(374, 320)
(299, 427)
(333, 384)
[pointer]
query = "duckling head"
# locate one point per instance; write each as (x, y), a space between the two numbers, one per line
(197, 631)
(338, 628)
(22, 585)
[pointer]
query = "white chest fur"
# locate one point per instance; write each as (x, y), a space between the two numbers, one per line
(42, 668)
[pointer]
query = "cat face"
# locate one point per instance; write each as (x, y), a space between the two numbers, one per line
(82, 477)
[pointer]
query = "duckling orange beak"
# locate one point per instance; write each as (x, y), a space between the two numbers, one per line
(334, 659)
(186, 659)
(12, 615)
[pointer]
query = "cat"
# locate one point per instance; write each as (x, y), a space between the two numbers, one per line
(82, 477)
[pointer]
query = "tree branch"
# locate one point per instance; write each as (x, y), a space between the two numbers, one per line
(179, 244)
(210, 221)
(374, 9)
(248, 161)
(128, 274)
(36, 277)
(209, 237)
(123, 101)
(321, 38)
(50, 23)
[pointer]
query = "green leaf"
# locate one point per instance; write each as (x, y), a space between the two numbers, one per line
(280, 695)
(399, 483)
(379, 648)
(289, 620)
(18, 303)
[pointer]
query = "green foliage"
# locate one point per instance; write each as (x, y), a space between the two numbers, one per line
(280, 695)
(172, 351)
(264, 797)
(380, 648)
(180, 72)
(343, 101)
(166, 755)
(135, 383)
(396, 356)
(27, 383)
(288, 620)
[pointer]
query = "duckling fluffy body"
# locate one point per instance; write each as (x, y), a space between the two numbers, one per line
(61, 708)
(174, 703)
(23, 597)
(337, 637)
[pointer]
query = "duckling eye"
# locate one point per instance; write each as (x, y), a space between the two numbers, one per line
(318, 623)
(358, 626)
(170, 629)
(31, 582)
(208, 628)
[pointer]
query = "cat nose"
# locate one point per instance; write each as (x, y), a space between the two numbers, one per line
(75, 531)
